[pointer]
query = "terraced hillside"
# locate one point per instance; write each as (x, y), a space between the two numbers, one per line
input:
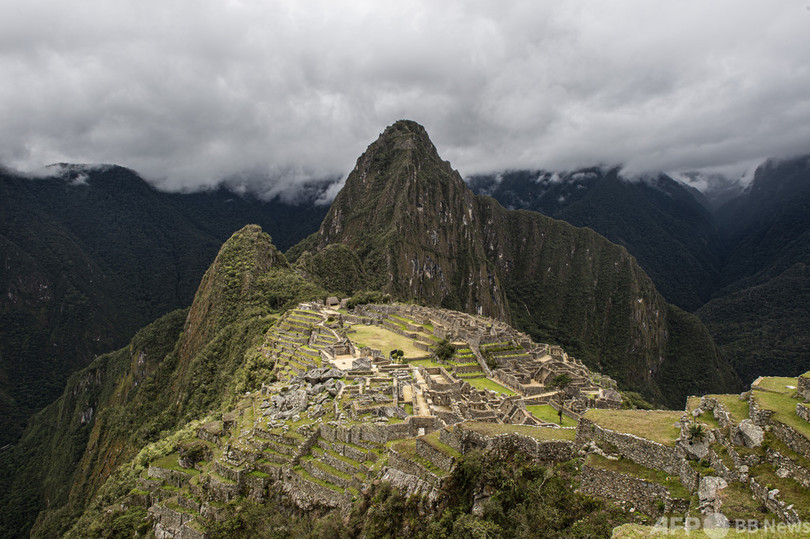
(337, 417)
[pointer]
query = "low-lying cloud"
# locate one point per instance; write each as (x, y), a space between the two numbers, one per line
(189, 93)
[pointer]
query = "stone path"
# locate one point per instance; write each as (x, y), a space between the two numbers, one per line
(421, 406)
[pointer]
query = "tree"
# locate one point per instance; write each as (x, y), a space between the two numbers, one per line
(444, 350)
(396, 355)
(561, 381)
(696, 432)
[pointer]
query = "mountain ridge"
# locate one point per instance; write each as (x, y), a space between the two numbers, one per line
(444, 239)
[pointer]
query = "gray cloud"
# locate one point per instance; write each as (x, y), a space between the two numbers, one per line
(189, 92)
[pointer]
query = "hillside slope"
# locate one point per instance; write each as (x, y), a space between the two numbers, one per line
(661, 222)
(423, 236)
(182, 367)
(92, 254)
(760, 315)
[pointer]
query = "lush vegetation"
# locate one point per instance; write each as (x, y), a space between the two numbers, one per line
(523, 498)
(144, 392)
(93, 254)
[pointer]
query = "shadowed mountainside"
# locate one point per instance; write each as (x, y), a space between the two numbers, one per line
(422, 235)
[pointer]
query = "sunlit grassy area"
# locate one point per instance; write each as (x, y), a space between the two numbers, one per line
(539, 433)
(486, 383)
(784, 407)
(427, 363)
(778, 383)
(384, 340)
(656, 425)
(737, 407)
(545, 412)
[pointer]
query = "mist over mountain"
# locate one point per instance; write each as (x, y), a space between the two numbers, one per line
(760, 313)
(659, 220)
(733, 250)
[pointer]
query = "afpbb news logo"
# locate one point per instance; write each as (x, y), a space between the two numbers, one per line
(716, 526)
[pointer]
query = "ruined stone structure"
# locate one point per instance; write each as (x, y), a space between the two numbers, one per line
(338, 416)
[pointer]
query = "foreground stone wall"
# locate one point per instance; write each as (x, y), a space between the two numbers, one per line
(803, 387)
(649, 498)
(466, 440)
(640, 450)
(803, 411)
(770, 499)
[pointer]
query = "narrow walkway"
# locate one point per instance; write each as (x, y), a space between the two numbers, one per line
(421, 405)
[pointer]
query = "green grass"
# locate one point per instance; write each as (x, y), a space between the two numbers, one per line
(486, 383)
(384, 340)
(738, 408)
(544, 412)
(790, 490)
(403, 319)
(538, 433)
(778, 383)
(426, 363)
(433, 440)
(784, 407)
(656, 425)
(628, 467)
(738, 503)
(407, 448)
(170, 462)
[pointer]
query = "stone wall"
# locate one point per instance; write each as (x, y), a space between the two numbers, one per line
(796, 470)
(410, 484)
(171, 477)
(465, 440)
(770, 499)
(403, 464)
(759, 416)
(803, 387)
(427, 451)
(803, 410)
(308, 495)
(640, 450)
(652, 499)
(791, 438)
(173, 524)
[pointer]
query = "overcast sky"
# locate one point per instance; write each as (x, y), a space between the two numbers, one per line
(189, 91)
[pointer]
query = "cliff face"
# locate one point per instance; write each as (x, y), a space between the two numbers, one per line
(415, 226)
(423, 236)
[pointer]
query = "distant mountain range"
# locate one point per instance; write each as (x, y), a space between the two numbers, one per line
(90, 254)
(738, 259)
(417, 232)
(404, 225)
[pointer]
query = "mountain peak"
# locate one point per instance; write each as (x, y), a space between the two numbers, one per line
(400, 173)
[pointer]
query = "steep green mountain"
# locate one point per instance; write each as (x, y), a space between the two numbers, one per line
(760, 315)
(660, 221)
(184, 366)
(738, 261)
(91, 254)
(423, 236)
